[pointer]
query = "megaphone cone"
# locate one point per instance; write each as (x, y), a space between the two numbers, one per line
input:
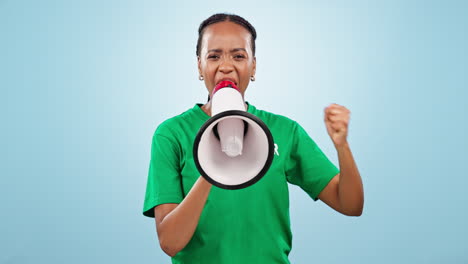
(233, 149)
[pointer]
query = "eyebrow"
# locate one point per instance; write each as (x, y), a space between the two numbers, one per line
(220, 50)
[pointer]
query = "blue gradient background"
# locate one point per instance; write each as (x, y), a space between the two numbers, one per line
(85, 83)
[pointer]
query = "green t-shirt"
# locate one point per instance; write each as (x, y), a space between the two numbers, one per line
(249, 225)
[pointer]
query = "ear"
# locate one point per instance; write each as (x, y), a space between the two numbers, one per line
(199, 65)
(254, 66)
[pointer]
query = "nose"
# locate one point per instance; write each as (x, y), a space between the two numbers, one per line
(226, 66)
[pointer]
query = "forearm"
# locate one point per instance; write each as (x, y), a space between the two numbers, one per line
(177, 228)
(350, 188)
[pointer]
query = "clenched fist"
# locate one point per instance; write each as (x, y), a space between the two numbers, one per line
(336, 121)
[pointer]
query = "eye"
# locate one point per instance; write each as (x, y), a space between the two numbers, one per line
(239, 56)
(213, 56)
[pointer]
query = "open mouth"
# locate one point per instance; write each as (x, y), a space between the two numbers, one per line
(227, 80)
(225, 83)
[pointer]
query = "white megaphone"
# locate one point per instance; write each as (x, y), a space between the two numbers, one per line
(233, 149)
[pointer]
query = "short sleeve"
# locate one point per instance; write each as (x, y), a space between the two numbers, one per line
(307, 166)
(164, 180)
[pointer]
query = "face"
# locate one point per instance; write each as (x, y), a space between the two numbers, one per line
(226, 53)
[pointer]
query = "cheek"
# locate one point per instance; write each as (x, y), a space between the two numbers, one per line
(245, 76)
(206, 66)
(210, 71)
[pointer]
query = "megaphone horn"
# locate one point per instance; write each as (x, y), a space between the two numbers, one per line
(233, 149)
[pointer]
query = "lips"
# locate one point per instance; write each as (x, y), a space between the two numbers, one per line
(225, 83)
(227, 79)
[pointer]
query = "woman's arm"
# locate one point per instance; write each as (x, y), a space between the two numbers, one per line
(350, 189)
(176, 223)
(344, 192)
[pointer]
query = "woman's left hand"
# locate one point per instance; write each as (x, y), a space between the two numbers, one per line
(336, 121)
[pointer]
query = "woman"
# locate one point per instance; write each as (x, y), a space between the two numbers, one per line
(198, 223)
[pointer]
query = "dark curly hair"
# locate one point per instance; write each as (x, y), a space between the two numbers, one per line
(220, 17)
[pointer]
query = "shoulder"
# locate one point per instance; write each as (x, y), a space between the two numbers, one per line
(170, 126)
(275, 119)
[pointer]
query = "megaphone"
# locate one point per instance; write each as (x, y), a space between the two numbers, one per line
(233, 149)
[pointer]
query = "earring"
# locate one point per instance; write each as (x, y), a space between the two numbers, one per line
(200, 78)
(252, 78)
